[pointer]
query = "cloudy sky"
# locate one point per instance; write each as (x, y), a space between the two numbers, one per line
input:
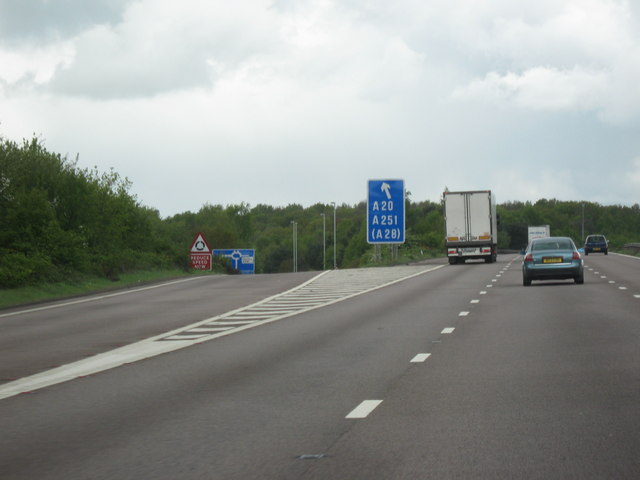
(303, 101)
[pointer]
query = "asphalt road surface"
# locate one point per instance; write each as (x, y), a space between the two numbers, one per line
(457, 372)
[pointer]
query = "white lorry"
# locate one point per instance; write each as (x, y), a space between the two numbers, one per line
(471, 226)
(541, 231)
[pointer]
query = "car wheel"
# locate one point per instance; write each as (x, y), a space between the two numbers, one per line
(606, 252)
(526, 281)
(580, 279)
(586, 253)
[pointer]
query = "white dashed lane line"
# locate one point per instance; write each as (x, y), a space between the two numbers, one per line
(421, 357)
(610, 282)
(447, 330)
(364, 409)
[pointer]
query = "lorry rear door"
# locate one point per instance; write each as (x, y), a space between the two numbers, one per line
(479, 205)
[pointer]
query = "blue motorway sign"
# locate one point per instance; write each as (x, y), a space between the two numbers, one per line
(385, 211)
(242, 260)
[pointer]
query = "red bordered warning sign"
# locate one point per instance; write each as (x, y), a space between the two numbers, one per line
(200, 245)
(200, 254)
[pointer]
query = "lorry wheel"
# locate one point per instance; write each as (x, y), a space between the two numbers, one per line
(453, 260)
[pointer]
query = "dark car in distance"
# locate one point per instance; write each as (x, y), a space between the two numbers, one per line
(552, 258)
(596, 244)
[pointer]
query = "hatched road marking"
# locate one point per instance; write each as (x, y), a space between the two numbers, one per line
(325, 289)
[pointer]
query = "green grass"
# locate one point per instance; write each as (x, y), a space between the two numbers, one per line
(26, 295)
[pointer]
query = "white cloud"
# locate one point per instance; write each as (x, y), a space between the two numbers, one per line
(634, 175)
(541, 88)
(37, 64)
(463, 93)
(163, 45)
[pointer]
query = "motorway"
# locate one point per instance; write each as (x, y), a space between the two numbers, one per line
(452, 372)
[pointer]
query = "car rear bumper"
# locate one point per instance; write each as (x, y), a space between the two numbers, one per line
(552, 272)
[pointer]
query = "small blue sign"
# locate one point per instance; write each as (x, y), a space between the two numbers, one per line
(385, 211)
(242, 259)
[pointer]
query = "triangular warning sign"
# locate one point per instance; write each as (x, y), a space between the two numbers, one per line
(200, 245)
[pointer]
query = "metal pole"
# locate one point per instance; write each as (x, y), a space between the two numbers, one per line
(335, 265)
(295, 245)
(324, 241)
(582, 223)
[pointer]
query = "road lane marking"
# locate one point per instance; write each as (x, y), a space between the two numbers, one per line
(98, 297)
(186, 337)
(421, 357)
(475, 301)
(364, 409)
(622, 288)
(637, 296)
(463, 314)
(447, 330)
(209, 329)
(483, 292)
(359, 282)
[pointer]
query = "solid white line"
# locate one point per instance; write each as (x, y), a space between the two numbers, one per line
(208, 329)
(99, 297)
(239, 322)
(185, 337)
(364, 409)
(623, 255)
(448, 330)
(421, 357)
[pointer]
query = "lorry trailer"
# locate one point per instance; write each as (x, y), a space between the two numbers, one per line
(471, 226)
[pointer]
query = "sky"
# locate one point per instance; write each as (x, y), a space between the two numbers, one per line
(282, 102)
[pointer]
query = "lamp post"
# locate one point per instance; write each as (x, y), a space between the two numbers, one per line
(335, 265)
(324, 241)
(295, 245)
(582, 222)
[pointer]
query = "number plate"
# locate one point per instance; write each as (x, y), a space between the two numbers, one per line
(551, 259)
(596, 249)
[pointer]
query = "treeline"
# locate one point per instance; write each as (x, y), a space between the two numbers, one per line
(573, 219)
(60, 222)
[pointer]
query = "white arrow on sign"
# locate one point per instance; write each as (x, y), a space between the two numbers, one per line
(385, 187)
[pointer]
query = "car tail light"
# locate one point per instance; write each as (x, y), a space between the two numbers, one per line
(576, 256)
(528, 258)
